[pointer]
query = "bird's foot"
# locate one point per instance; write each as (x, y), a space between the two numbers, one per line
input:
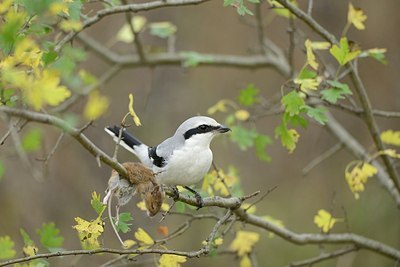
(175, 191)
(199, 199)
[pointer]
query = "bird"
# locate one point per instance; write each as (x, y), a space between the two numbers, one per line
(180, 160)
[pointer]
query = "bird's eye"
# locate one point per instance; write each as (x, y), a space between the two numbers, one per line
(203, 127)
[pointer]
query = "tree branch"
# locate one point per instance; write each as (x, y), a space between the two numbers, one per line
(360, 152)
(66, 127)
(126, 8)
(303, 239)
(358, 85)
(178, 59)
(323, 257)
(190, 254)
(372, 125)
(309, 21)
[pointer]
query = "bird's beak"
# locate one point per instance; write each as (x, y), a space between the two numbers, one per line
(223, 129)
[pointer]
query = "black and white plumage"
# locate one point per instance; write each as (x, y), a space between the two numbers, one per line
(182, 159)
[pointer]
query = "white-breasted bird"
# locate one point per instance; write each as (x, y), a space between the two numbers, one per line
(182, 159)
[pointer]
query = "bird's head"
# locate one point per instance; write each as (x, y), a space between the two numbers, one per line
(200, 129)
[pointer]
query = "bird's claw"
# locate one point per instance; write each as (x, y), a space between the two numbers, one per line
(200, 202)
(175, 192)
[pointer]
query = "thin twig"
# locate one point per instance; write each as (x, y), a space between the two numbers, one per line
(178, 59)
(323, 257)
(54, 149)
(7, 134)
(125, 8)
(310, 7)
(321, 158)
(260, 27)
(136, 40)
(262, 197)
(292, 45)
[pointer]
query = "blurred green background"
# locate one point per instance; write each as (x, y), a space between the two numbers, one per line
(166, 96)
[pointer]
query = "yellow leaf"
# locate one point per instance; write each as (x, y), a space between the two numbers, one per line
(96, 106)
(125, 34)
(167, 260)
(310, 55)
(218, 241)
(141, 205)
(135, 117)
(143, 237)
(391, 153)
(165, 207)
(308, 84)
(280, 10)
(27, 52)
(273, 221)
(320, 45)
(129, 243)
(325, 221)
(222, 181)
(44, 89)
(220, 106)
(30, 250)
(208, 181)
(58, 7)
(242, 115)
(5, 5)
(245, 261)
(71, 25)
(138, 23)
(391, 137)
(357, 176)
(89, 232)
(244, 242)
(250, 210)
(356, 17)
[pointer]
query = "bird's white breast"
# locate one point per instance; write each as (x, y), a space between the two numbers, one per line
(187, 165)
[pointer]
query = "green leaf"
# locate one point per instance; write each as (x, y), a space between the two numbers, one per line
(123, 220)
(289, 137)
(10, 31)
(260, 142)
(6, 248)
(318, 114)
(36, 7)
(243, 137)
(32, 140)
(306, 74)
(49, 57)
(241, 9)
(249, 95)
(97, 204)
(293, 103)
(49, 236)
(338, 91)
(27, 240)
(2, 170)
(376, 53)
(163, 29)
(180, 207)
(193, 59)
(295, 120)
(342, 52)
(75, 9)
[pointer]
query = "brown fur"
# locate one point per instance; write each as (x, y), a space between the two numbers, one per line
(144, 182)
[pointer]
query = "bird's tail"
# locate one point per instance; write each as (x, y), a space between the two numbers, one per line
(128, 141)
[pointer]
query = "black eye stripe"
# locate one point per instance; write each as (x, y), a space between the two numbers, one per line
(198, 130)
